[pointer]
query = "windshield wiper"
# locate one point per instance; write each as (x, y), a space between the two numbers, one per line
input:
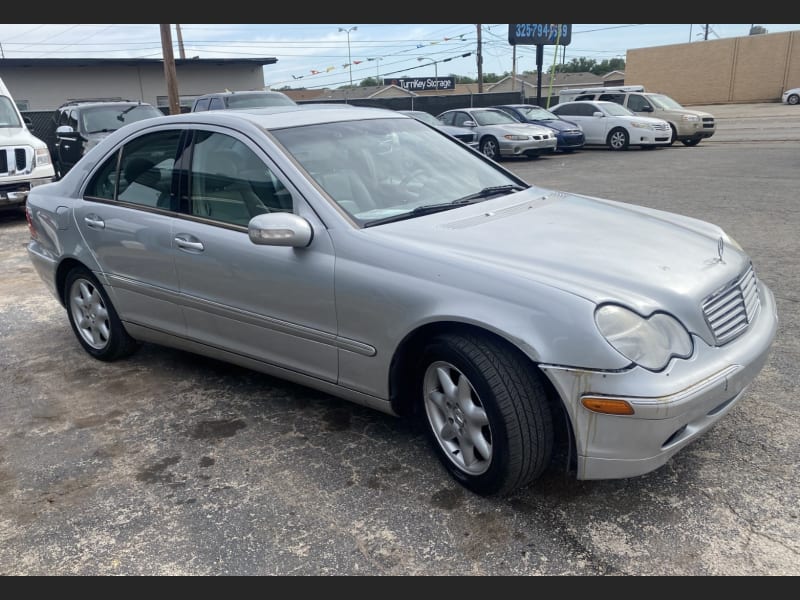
(427, 209)
(488, 192)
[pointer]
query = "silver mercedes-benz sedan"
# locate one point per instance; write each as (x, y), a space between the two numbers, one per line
(361, 252)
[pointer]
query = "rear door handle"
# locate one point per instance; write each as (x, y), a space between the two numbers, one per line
(94, 222)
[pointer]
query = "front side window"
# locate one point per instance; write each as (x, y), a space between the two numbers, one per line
(638, 103)
(216, 104)
(229, 183)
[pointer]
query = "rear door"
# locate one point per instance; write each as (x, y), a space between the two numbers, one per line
(127, 218)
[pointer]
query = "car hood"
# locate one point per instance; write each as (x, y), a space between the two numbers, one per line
(686, 111)
(601, 250)
(18, 135)
(557, 124)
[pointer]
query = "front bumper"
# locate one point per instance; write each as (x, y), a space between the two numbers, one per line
(527, 147)
(13, 194)
(671, 408)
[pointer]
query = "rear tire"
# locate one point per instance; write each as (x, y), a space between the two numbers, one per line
(486, 412)
(93, 318)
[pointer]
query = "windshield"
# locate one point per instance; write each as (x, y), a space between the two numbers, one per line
(377, 169)
(492, 117)
(8, 113)
(110, 118)
(662, 101)
(257, 100)
(617, 110)
(537, 113)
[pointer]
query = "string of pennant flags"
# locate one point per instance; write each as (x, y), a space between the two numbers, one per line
(328, 69)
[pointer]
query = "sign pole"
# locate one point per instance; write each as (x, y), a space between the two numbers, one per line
(539, 62)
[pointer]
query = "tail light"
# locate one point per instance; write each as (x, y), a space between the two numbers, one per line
(31, 227)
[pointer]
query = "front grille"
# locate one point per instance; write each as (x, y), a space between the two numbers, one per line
(730, 310)
(16, 161)
(661, 126)
(708, 122)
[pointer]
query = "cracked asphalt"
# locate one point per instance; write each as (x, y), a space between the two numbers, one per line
(171, 464)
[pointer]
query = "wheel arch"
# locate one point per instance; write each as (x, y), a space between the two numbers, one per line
(62, 270)
(403, 375)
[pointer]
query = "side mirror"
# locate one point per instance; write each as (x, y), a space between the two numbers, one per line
(647, 108)
(28, 122)
(280, 229)
(65, 130)
(598, 114)
(469, 124)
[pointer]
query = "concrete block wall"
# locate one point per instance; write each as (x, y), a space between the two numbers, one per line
(753, 68)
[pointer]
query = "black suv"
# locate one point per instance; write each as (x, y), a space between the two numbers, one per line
(251, 99)
(81, 124)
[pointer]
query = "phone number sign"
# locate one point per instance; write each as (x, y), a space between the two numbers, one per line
(539, 34)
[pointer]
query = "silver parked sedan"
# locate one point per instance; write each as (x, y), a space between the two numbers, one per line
(501, 135)
(360, 252)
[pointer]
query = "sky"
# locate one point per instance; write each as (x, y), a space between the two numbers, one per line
(317, 55)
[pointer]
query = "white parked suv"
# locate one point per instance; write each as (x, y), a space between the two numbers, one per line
(612, 125)
(24, 158)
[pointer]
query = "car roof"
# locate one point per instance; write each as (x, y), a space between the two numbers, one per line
(242, 93)
(85, 103)
(278, 117)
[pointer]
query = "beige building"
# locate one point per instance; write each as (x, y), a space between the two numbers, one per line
(41, 84)
(754, 68)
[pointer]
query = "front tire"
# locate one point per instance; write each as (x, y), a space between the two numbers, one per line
(674, 137)
(692, 142)
(487, 413)
(618, 139)
(490, 147)
(93, 318)
(793, 99)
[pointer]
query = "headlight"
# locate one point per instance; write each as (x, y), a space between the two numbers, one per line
(42, 157)
(640, 125)
(690, 118)
(516, 138)
(650, 342)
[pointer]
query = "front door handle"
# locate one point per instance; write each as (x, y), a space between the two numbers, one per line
(186, 244)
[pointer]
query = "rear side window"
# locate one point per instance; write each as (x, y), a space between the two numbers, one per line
(618, 98)
(144, 176)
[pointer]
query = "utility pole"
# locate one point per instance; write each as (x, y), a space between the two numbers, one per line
(705, 37)
(180, 41)
(480, 61)
(514, 68)
(169, 70)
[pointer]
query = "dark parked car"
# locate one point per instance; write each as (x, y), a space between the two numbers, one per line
(248, 99)
(569, 135)
(81, 124)
(365, 254)
(465, 134)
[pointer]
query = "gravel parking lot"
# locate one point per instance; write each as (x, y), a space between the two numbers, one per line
(171, 464)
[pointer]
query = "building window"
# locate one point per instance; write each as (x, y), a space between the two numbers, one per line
(183, 101)
(23, 105)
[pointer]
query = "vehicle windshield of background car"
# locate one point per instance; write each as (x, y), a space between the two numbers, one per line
(616, 110)
(111, 118)
(493, 117)
(392, 166)
(538, 113)
(8, 116)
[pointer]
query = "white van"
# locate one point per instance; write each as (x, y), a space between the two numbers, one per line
(24, 158)
(688, 126)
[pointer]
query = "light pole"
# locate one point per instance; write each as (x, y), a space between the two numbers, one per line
(435, 68)
(349, 60)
